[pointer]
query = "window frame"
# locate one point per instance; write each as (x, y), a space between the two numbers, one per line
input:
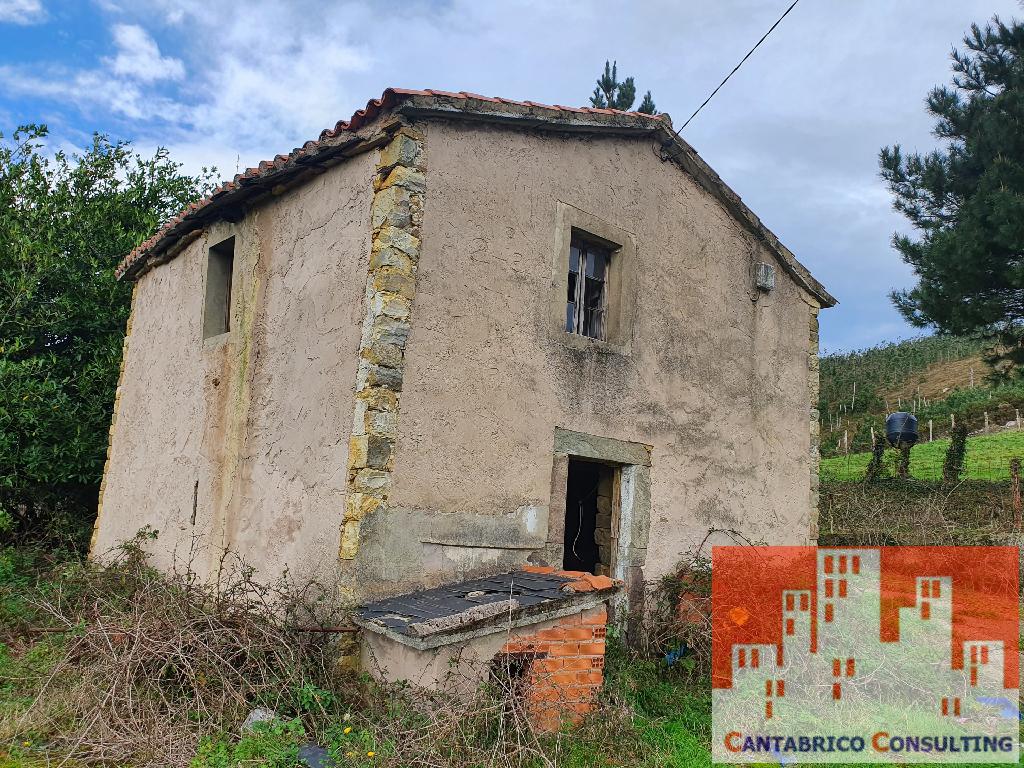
(588, 255)
(621, 281)
(220, 280)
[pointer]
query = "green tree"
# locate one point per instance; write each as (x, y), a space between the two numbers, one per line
(647, 105)
(65, 222)
(610, 93)
(966, 199)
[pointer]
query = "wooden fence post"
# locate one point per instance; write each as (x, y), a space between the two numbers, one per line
(1015, 487)
(929, 430)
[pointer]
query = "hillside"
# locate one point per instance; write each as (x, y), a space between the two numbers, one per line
(987, 458)
(934, 377)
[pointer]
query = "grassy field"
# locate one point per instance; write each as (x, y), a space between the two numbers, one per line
(988, 458)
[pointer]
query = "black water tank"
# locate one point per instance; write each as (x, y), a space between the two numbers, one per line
(901, 427)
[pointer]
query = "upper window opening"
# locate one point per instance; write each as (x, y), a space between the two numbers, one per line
(587, 297)
(219, 268)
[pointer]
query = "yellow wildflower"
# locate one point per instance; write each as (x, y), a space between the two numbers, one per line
(370, 754)
(348, 729)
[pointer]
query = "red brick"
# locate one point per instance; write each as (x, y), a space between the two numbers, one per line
(548, 664)
(590, 676)
(568, 649)
(518, 646)
(547, 723)
(563, 679)
(577, 692)
(598, 616)
(578, 633)
(544, 693)
(592, 649)
(576, 664)
(554, 633)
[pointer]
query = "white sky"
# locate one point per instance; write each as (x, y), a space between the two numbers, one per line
(796, 132)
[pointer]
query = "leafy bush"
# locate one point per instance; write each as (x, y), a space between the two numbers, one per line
(65, 222)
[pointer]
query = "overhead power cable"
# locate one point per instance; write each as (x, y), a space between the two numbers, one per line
(734, 69)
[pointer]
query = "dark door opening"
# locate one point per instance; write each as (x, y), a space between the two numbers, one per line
(588, 517)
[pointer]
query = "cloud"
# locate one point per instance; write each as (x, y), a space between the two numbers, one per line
(259, 80)
(796, 132)
(22, 11)
(121, 85)
(91, 91)
(138, 57)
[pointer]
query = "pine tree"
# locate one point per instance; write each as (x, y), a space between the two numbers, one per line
(966, 200)
(647, 105)
(612, 94)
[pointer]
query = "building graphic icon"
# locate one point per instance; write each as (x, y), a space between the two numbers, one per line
(833, 688)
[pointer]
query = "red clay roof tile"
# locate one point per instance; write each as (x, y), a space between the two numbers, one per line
(361, 117)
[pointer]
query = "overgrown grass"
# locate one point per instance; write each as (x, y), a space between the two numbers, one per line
(650, 715)
(969, 406)
(988, 458)
(121, 665)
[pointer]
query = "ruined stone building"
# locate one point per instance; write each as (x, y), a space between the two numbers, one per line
(456, 335)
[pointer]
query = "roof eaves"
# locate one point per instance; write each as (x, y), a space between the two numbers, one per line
(557, 118)
(680, 151)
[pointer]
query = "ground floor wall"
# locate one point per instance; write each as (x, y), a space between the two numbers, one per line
(712, 380)
(237, 442)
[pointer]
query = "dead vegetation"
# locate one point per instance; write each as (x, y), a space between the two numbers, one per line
(145, 665)
(124, 665)
(896, 512)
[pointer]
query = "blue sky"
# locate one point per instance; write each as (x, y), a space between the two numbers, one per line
(796, 132)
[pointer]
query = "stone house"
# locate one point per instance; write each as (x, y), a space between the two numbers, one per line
(456, 335)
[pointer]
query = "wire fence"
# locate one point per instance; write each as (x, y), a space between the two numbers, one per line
(986, 457)
(854, 467)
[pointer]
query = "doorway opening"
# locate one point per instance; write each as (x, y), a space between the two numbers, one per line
(589, 507)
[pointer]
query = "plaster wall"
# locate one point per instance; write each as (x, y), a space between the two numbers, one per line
(716, 383)
(240, 441)
(462, 663)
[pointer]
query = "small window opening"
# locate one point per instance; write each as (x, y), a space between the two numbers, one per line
(587, 296)
(588, 517)
(219, 268)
